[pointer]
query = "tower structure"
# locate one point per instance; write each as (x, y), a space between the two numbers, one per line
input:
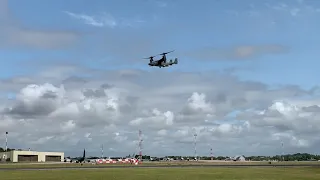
(102, 151)
(282, 148)
(6, 148)
(195, 146)
(211, 154)
(140, 145)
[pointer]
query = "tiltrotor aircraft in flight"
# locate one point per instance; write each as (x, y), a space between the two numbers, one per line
(163, 61)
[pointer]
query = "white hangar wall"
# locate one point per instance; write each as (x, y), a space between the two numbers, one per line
(31, 156)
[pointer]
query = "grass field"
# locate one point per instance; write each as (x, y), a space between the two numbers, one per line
(172, 163)
(168, 174)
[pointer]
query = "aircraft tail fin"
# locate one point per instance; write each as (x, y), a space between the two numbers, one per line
(176, 61)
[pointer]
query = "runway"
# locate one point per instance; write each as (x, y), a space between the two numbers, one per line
(159, 166)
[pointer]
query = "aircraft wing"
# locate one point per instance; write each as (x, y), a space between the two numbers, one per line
(167, 64)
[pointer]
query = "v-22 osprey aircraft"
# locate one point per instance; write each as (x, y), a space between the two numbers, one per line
(163, 61)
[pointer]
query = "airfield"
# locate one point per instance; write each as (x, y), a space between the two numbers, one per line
(163, 170)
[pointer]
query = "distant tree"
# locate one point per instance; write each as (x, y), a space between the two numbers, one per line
(3, 150)
(221, 158)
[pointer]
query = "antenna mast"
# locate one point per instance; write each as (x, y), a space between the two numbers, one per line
(282, 151)
(102, 151)
(140, 145)
(195, 146)
(6, 148)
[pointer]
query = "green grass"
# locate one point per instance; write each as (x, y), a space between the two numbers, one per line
(168, 174)
(173, 163)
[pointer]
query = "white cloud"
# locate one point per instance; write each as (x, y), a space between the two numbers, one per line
(155, 118)
(39, 39)
(161, 4)
(288, 120)
(12, 34)
(198, 102)
(275, 13)
(162, 132)
(300, 1)
(294, 9)
(106, 20)
(101, 21)
(110, 108)
(242, 52)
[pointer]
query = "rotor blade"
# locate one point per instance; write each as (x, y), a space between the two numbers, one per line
(169, 52)
(166, 52)
(149, 57)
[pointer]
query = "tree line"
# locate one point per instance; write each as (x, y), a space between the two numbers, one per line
(8, 149)
(286, 157)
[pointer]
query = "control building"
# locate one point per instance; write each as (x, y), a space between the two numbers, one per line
(31, 156)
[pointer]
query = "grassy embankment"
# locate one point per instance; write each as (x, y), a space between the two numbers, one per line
(168, 173)
(172, 163)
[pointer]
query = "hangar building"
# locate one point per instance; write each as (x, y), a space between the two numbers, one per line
(31, 156)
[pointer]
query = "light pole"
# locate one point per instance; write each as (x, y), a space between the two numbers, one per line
(140, 145)
(282, 151)
(6, 148)
(101, 151)
(195, 146)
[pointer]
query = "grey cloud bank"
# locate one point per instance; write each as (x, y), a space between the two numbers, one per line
(230, 115)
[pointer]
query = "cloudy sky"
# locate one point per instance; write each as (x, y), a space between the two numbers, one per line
(72, 76)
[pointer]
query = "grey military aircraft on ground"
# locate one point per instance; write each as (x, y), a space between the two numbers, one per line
(163, 61)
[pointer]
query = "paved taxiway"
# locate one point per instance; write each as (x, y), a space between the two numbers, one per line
(160, 166)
